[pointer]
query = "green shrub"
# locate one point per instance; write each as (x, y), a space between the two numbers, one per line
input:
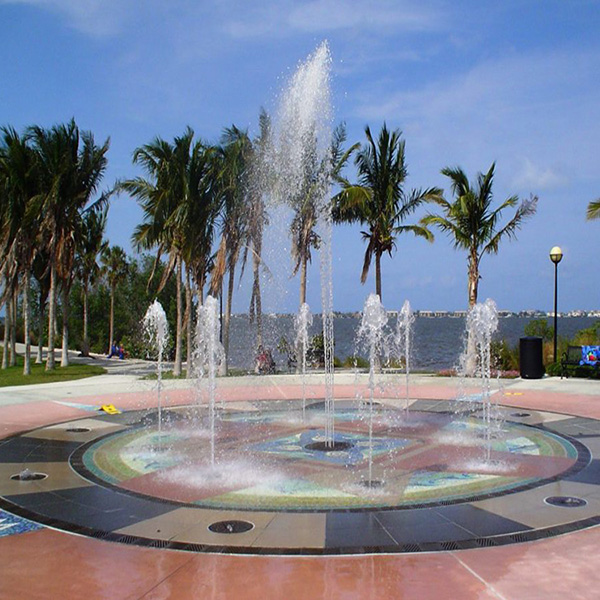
(504, 356)
(553, 369)
(539, 328)
(579, 371)
(590, 336)
(315, 354)
(355, 362)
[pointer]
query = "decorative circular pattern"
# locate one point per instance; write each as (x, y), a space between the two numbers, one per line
(276, 461)
(415, 488)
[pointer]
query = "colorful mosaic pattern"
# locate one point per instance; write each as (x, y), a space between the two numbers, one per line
(13, 525)
(268, 461)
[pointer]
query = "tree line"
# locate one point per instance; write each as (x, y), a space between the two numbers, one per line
(204, 213)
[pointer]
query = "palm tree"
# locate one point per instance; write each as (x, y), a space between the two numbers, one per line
(593, 210)
(70, 167)
(18, 227)
(473, 223)
(195, 217)
(378, 200)
(257, 218)
(232, 180)
(158, 198)
(115, 267)
(307, 202)
(41, 273)
(175, 173)
(91, 245)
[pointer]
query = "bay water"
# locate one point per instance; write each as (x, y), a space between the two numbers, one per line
(437, 341)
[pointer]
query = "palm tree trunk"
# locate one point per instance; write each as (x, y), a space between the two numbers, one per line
(26, 319)
(227, 318)
(473, 278)
(7, 315)
(470, 365)
(64, 359)
(257, 302)
(111, 320)
(51, 310)
(179, 324)
(40, 347)
(201, 292)
(378, 275)
(188, 322)
(85, 346)
(378, 358)
(303, 266)
(13, 328)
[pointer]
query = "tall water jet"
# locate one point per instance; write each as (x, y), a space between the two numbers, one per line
(371, 333)
(302, 158)
(403, 340)
(208, 357)
(302, 322)
(156, 329)
(482, 323)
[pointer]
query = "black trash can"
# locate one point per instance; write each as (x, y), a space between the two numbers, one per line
(531, 357)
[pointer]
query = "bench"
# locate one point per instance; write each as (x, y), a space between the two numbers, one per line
(585, 357)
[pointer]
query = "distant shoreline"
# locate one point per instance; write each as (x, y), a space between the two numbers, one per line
(456, 314)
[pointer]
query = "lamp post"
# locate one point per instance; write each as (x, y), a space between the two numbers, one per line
(556, 255)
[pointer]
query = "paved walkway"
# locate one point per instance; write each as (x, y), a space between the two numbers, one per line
(46, 563)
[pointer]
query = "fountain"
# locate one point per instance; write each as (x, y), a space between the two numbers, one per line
(276, 475)
(302, 322)
(300, 160)
(482, 323)
(156, 329)
(402, 342)
(208, 356)
(371, 332)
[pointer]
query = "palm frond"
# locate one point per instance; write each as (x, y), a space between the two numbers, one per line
(593, 210)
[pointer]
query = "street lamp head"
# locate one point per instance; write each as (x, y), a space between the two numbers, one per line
(556, 255)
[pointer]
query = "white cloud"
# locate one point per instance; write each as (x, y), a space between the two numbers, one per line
(538, 178)
(321, 16)
(92, 17)
(543, 106)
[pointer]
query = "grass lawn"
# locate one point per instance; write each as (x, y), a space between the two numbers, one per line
(14, 375)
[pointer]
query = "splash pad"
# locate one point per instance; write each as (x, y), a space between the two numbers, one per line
(273, 491)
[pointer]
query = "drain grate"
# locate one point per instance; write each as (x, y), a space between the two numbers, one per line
(231, 526)
(78, 430)
(372, 483)
(27, 475)
(520, 415)
(327, 447)
(565, 501)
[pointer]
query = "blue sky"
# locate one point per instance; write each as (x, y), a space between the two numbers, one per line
(469, 83)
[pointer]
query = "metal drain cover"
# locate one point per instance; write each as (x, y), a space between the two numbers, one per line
(337, 446)
(27, 475)
(565, 501)
(371, 483)
(520, 414)
(231, 526)
(78, 429)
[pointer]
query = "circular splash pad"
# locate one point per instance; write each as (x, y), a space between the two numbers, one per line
(278, 460)
(432, 479)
